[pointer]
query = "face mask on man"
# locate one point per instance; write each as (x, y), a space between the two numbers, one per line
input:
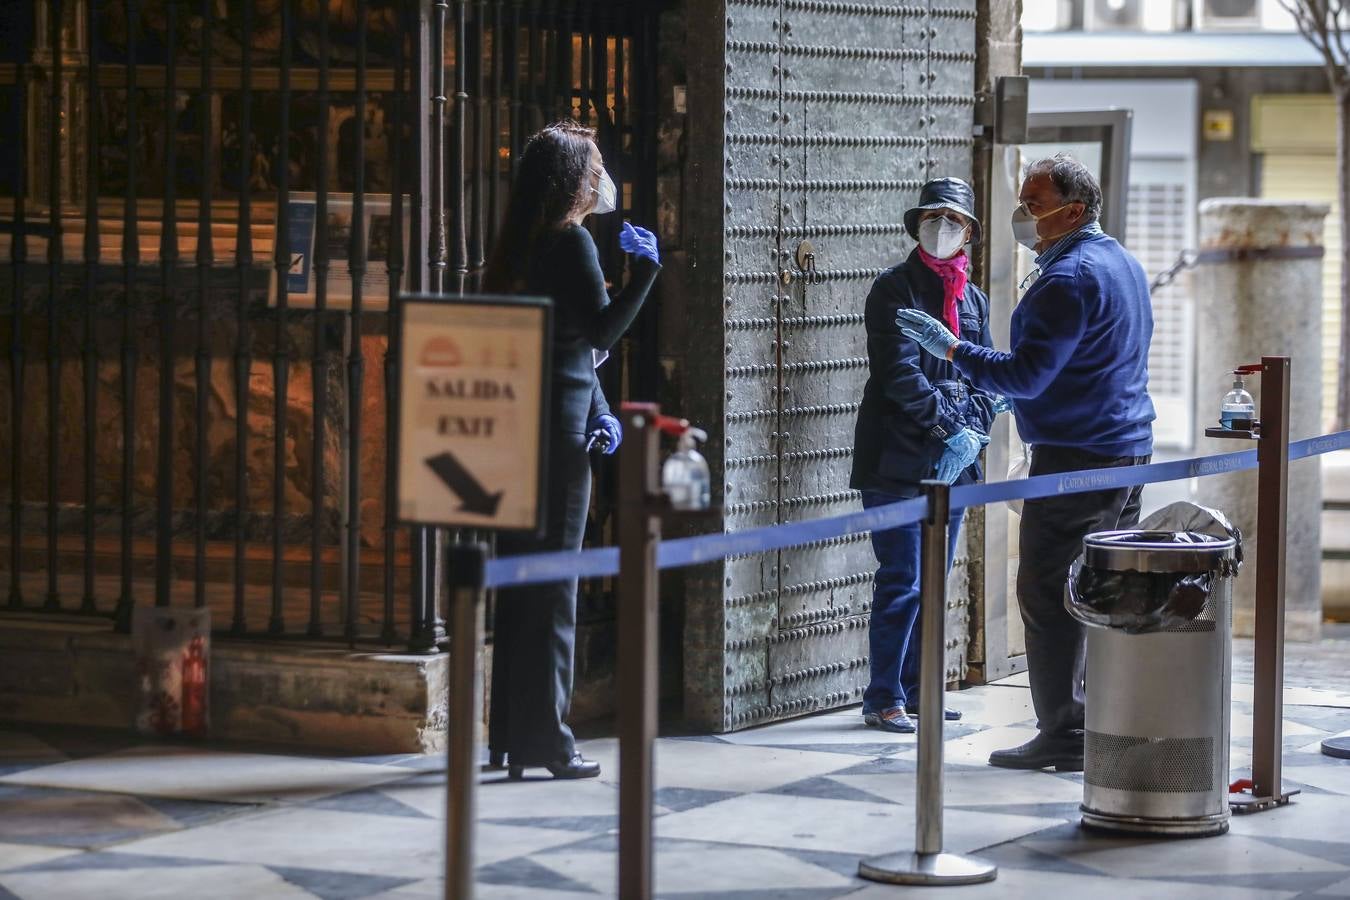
(941, 237)
(606, 195)
(1024, 225)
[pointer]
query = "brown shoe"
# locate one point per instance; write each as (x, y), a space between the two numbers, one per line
(894, 719)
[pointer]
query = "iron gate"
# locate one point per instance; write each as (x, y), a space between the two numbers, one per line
(187, 422)
(836, 113)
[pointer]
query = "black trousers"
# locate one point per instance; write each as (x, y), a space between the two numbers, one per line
(1052, 533)
(534, 636)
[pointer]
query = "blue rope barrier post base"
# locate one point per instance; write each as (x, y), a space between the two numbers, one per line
(927, 869)
(467, 564)
(928, 865)
(1338, 748)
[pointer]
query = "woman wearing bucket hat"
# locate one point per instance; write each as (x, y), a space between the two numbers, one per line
(919, 419)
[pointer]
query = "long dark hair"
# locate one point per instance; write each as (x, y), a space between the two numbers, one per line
(550, 186)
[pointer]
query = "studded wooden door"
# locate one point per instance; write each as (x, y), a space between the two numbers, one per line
(837, 112)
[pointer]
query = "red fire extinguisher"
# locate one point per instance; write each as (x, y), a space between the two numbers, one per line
(194, 688)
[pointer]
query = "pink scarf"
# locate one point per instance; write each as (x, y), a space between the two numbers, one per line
(954, 277)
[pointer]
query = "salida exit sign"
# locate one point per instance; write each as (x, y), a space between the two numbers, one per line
(473, 407)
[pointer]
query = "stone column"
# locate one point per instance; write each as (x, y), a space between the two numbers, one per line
(1248, 307)
(994, 175)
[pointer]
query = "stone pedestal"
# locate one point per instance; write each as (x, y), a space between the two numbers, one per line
(1264, 304)
(77, 671)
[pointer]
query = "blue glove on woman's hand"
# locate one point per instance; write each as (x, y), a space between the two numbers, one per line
(928, 332)
(1001, 404)
(963, 448)
(604, 433)
(639, 242)
(949, 467)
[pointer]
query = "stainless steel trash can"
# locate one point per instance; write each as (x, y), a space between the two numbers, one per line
(1156, 755)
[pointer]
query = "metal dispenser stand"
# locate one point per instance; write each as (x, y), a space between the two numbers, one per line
(1271, 433)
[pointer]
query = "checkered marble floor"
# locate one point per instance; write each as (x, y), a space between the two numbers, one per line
(782, 811)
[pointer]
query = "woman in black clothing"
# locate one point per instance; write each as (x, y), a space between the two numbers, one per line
(544, 250)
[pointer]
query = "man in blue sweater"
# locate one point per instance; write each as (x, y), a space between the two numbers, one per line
(1077, 376)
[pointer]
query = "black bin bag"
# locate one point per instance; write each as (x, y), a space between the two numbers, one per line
(1157, 577)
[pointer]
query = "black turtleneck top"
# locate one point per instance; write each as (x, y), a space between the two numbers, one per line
(566, 268)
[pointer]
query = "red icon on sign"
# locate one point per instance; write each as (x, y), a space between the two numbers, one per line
(440, 352)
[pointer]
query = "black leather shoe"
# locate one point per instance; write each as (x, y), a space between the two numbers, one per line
(576, 767)
(1042, 752)
(949, 714)
(496, 759)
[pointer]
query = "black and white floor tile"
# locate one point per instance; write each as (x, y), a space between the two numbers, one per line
(782, 811)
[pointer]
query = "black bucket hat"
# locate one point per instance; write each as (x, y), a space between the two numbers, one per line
(945, 193)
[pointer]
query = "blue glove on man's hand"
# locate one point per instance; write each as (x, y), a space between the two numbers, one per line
(928, 332)
(1001, 404)
(639, 242)
(604, 433)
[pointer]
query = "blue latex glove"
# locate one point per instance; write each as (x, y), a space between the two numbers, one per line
(964, 447)
(1001, 404)
(928, 332)
(639, 242)
(604, 433)
(949, 467)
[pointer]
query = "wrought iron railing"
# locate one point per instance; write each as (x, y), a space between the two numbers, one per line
(201, 382)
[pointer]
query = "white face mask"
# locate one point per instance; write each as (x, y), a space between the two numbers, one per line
(1024, 226)
(941, 237)
(606, 195)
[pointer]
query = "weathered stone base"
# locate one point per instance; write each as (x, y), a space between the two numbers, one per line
(72, 671)
(1299, 624)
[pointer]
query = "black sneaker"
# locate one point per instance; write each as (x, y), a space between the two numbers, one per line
(893, 719)
(1042, 752)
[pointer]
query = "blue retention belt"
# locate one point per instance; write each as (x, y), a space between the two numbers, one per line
(602, 561)
(1110, 479)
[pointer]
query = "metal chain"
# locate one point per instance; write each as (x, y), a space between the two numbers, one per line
(1186, 260)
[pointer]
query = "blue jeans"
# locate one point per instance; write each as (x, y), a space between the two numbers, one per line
(894, 633)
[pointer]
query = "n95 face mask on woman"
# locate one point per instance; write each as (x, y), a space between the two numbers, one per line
(606, 195)
(941, 237)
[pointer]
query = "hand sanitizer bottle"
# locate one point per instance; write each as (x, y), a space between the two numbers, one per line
(685, 475)
(1238, 411)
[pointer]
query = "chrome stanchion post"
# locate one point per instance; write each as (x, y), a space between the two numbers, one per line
(467, 564)
(928, 864)
(932, 671)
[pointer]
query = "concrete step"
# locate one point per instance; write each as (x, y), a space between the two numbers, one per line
(78, 671)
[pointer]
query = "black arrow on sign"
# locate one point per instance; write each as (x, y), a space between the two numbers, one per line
(473, 498)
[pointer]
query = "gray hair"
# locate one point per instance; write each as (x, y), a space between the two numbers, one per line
(1073, 181)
